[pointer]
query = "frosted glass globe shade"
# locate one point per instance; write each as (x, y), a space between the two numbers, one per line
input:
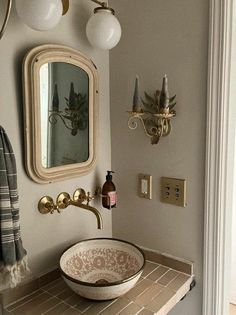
(103, 30)
(40, 15)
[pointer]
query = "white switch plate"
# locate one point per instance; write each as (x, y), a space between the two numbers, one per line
(173, 191)
(145, 186)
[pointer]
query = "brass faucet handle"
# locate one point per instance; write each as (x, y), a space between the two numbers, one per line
(63, 200)
(89, 197)
(80, 195)
(46, 205)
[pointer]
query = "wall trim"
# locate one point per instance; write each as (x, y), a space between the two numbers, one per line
(217, 176)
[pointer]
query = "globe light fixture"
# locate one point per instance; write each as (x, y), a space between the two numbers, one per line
(103, 28)
(40, 15)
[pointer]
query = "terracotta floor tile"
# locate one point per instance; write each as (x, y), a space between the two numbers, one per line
(116, 307)
(177, 283)
(57, 289)
(24, 300)
(28, 306)
(156, 304)
(157, 273)
(138, 289)
(73, 300)
(65, 294)
(149, 294)
(58, 309)
(49, 277)
(83, 305)
(158, 290)
(146, 312)
(20, 292)
(98, 307)
(149, 267)
(70, 311)
(43, 307)
(131, 309)
(168, 277)
(52, 284)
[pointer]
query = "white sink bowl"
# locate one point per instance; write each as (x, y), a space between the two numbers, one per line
(102, 268)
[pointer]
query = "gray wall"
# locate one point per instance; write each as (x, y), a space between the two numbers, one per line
(45, 236)
(161, 37)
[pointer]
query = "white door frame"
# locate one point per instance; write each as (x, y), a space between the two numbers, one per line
(219, 152)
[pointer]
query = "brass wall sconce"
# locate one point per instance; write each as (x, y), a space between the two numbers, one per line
(44, 15)
(75, 115)
(154, 113)
(80, 199)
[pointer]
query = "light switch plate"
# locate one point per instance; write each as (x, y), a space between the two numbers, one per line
(173, 191)
(145, 186)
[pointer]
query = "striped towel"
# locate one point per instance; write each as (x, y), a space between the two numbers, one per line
(13, 259)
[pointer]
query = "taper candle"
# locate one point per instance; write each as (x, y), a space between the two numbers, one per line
(164, 97)
(136, 97)
(55, 99)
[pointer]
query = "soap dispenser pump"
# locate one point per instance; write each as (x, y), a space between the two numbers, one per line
(109, 195)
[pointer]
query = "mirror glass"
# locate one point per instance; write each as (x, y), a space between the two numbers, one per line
(64, 104)
(60, 113)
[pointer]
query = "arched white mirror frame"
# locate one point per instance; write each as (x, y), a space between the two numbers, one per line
(32, 124)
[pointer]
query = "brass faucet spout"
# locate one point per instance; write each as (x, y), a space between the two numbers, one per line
(89, 208)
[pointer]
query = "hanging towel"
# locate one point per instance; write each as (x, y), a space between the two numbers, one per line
(13, 258)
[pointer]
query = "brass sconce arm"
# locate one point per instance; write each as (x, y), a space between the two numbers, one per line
(102, 4)
(154, 112)
(47, 205)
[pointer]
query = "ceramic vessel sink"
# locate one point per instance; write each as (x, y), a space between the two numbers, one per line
(102, 268)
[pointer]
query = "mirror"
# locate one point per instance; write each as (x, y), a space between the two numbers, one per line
(60, 102)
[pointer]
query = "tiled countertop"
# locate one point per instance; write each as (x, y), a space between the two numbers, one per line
(159, 289)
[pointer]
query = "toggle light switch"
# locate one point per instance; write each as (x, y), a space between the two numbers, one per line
(145, 186)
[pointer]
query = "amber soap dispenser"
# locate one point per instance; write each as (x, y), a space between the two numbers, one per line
(109, 194)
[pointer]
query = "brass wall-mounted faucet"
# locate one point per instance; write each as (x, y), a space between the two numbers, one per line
(47, 205)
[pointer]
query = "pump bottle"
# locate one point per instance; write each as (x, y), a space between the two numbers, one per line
(109, 195)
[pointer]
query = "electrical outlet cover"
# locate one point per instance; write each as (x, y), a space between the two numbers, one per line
(145, 186)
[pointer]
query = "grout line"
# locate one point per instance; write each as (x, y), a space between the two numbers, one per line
(151, 272)
(140, 310)
(23, 297)
(161, 275)
(123, 308)
(56, 296)
(86, 308)
(166, 286)
(60, 302)
(24, 302)
(107, 306)
(54, 284)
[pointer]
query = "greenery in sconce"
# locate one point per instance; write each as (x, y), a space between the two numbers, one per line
(152, 104)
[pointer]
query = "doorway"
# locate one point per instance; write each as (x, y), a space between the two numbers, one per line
(220, 156)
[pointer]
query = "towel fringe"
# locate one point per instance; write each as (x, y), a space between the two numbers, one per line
(11, 276)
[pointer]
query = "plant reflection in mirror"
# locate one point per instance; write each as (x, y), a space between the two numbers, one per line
(75, 115)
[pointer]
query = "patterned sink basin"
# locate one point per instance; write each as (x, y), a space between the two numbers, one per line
(102, 268)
